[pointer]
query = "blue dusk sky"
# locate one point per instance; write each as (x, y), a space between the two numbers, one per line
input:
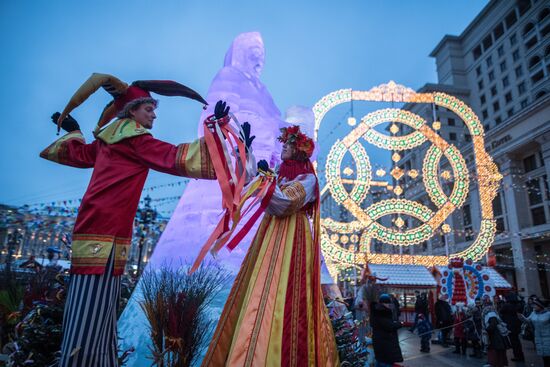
(312, 48)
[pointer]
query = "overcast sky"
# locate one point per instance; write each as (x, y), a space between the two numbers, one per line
(312, 48)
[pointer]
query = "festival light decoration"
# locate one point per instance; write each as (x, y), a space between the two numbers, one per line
(367, 220)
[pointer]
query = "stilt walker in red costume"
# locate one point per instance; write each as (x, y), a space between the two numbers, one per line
(121, 156)
(275, 314)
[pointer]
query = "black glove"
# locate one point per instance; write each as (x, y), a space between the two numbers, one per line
(220, 111)
(245, 136)
(263, 165)
(69, 124)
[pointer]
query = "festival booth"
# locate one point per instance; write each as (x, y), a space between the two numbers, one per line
(404, 281)
(464, 281)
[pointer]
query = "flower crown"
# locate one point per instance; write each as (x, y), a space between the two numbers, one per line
(293, 135)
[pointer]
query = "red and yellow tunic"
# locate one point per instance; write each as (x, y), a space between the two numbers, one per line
(121, 157)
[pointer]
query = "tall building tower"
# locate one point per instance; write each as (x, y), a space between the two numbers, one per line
(500, 66)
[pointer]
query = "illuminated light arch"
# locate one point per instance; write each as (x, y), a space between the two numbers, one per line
(488, 178)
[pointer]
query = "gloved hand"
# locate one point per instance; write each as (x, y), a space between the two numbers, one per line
(245, 136)
(220, 110)
(69, 124)
(263, 165)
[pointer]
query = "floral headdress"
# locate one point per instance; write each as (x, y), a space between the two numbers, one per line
(293, 135)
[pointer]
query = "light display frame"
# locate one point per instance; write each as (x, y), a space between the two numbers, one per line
(488, 178)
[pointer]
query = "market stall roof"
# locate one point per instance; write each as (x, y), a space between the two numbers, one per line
(499, 282)
(398, 274)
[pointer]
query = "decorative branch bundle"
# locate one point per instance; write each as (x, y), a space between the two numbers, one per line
(175, 304)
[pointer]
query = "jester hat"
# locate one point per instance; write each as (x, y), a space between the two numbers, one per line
(125, 95)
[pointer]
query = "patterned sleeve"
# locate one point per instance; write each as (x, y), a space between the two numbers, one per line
(188, 159)
(292, 196)
(71, 150)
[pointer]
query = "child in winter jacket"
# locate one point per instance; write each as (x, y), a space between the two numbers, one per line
(424, 327)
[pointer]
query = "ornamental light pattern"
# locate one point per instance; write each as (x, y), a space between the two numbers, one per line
(366, 220)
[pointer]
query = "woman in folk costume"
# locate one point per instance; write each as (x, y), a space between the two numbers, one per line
(275, 314)
(121, 156)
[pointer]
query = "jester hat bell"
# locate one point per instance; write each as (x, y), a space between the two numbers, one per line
(125, 96)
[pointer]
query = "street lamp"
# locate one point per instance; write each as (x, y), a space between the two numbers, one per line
(145, 217)
(14, 238)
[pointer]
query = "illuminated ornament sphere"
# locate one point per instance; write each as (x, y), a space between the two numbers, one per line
(436, 125)
(380, 172)
(413, 173)
(367, 217)
(352, 121)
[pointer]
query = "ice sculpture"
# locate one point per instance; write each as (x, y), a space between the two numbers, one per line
(198, 210)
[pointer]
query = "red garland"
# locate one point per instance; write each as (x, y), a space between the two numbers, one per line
(293, 135)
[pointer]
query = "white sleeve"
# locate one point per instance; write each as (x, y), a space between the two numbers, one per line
(291, 196)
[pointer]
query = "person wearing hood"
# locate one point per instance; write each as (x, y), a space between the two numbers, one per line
(497, 340)
(460, 340)
(540, 320)
(384, 332)
(509, 313)
(444, 319)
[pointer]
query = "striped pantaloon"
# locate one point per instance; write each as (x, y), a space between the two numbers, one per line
(89, 320)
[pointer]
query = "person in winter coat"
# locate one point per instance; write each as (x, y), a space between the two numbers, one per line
(444, 319)
(461, 343)
(424, 327)
(472, 329)
(384, 332)
(420, 307)
(497, 340)
(540, 320)
(509, 314)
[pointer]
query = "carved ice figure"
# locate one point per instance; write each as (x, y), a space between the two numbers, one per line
(199, 208)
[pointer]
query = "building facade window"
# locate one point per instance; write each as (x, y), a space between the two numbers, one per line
(451, 121)
(510, 112)
(521, 88)
(523, 7)
(484, 114)
(503, 66)
(537, 77)
(524, 103)
(478, 70)
(482, 99)
(513, 39)
(493, 90)
(505, 81)
(500, 51)
(452, 136)
(491, 76)
(480, 84)
(511, 19)
(489, 61)
(477, 52)
(532, 42)
(498, 32)
(498, 213)
(498, 120)
(496, 106)
(508, 97)
(515, 55)
(519, 71)
(529, 163)
(536, 200)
